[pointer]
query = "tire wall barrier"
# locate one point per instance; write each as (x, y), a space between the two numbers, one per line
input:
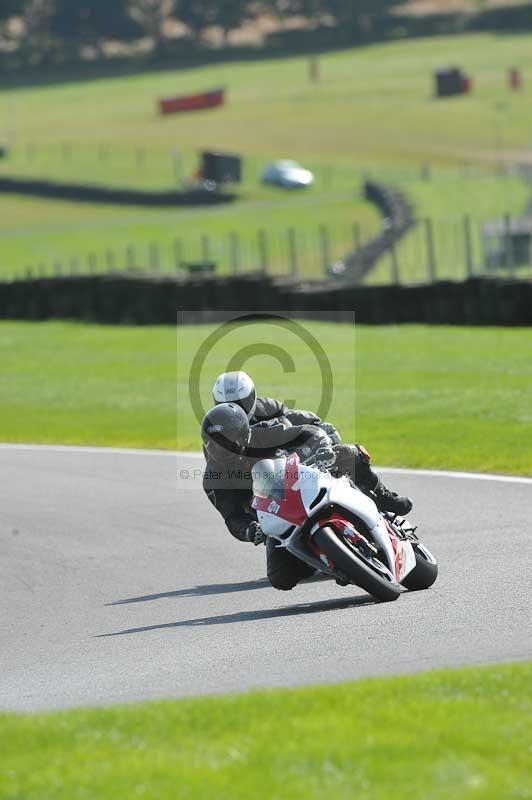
(105, 194)
(152, 300)
(398, 219)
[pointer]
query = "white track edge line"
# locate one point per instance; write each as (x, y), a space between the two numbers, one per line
(435, 473)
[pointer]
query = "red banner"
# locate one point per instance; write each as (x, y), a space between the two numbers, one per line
(192, 102)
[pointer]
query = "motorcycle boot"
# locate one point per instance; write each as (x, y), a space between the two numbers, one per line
(385, 500)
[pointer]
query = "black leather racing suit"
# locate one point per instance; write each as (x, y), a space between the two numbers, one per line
(267, 409)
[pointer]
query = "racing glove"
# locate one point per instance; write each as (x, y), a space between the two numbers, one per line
(324, 457)
(331, 432)
(254, 534)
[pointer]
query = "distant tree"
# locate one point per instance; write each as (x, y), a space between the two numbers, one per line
(357, 14)
(228, 15)
(8, 10)
(312, 9)
(152, 16)
(11, 8)
(31, 39)
(231, 14)
(77, 22)
(196, 15)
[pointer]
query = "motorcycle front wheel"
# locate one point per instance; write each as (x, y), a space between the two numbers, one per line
(424, 573)
(376, 580)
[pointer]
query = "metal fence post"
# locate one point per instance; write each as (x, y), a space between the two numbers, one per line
(205, 247)
(109, 260)
(508, 244)
(178, 253)
(154, 256)
(292, 249)
(130, 257)
(484, 254)
(235, 251)
(325, 250)
(262, 242)
(431, 255)
(73, 266)
(396, 278)
(178, 167)
(468, 245)
(356, 236)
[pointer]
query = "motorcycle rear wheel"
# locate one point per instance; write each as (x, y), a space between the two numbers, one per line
(355, 568)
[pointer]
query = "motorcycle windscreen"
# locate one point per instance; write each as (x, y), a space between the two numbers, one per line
(269, 478)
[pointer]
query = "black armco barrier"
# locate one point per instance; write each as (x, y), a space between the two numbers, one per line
(140, 300)
(108, 194)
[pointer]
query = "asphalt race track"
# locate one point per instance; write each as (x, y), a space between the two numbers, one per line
(117, 586)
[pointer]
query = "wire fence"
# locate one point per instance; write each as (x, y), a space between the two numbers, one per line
(452, 249)
(114, 164)
(433, 249)
(291, 251)
(457, 249)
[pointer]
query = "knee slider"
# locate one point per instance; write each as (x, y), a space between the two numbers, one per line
(282, 581)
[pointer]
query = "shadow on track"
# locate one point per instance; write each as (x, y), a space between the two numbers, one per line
(208, 589)
(251, 616)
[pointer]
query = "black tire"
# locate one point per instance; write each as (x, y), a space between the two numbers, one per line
(424, 573)
(356, 569)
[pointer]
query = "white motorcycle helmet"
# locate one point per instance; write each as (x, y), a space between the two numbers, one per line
(235, 387)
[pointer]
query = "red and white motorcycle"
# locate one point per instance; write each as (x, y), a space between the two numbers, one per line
(335, 528)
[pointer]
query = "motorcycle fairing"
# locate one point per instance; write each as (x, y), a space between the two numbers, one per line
(302, 500)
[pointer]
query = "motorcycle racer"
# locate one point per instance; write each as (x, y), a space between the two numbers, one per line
(231, 447)
(351, 460)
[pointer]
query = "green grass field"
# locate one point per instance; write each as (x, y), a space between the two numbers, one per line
(371, 111)
(372, 106)
(446, 735)
(417, 396)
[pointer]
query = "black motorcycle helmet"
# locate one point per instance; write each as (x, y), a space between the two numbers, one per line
(226, 427)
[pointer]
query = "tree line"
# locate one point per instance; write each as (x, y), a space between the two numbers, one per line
(48, 25)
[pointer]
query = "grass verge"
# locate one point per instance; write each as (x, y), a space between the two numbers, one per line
(442, 735)
(417, 396)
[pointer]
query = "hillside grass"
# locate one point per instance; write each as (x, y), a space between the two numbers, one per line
(445, 734)
(372, 111)
(372, 105)
(417, 396)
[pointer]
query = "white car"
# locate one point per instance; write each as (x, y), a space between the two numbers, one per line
(288, 174)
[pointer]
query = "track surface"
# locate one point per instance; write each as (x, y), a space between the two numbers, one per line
(115, 587)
